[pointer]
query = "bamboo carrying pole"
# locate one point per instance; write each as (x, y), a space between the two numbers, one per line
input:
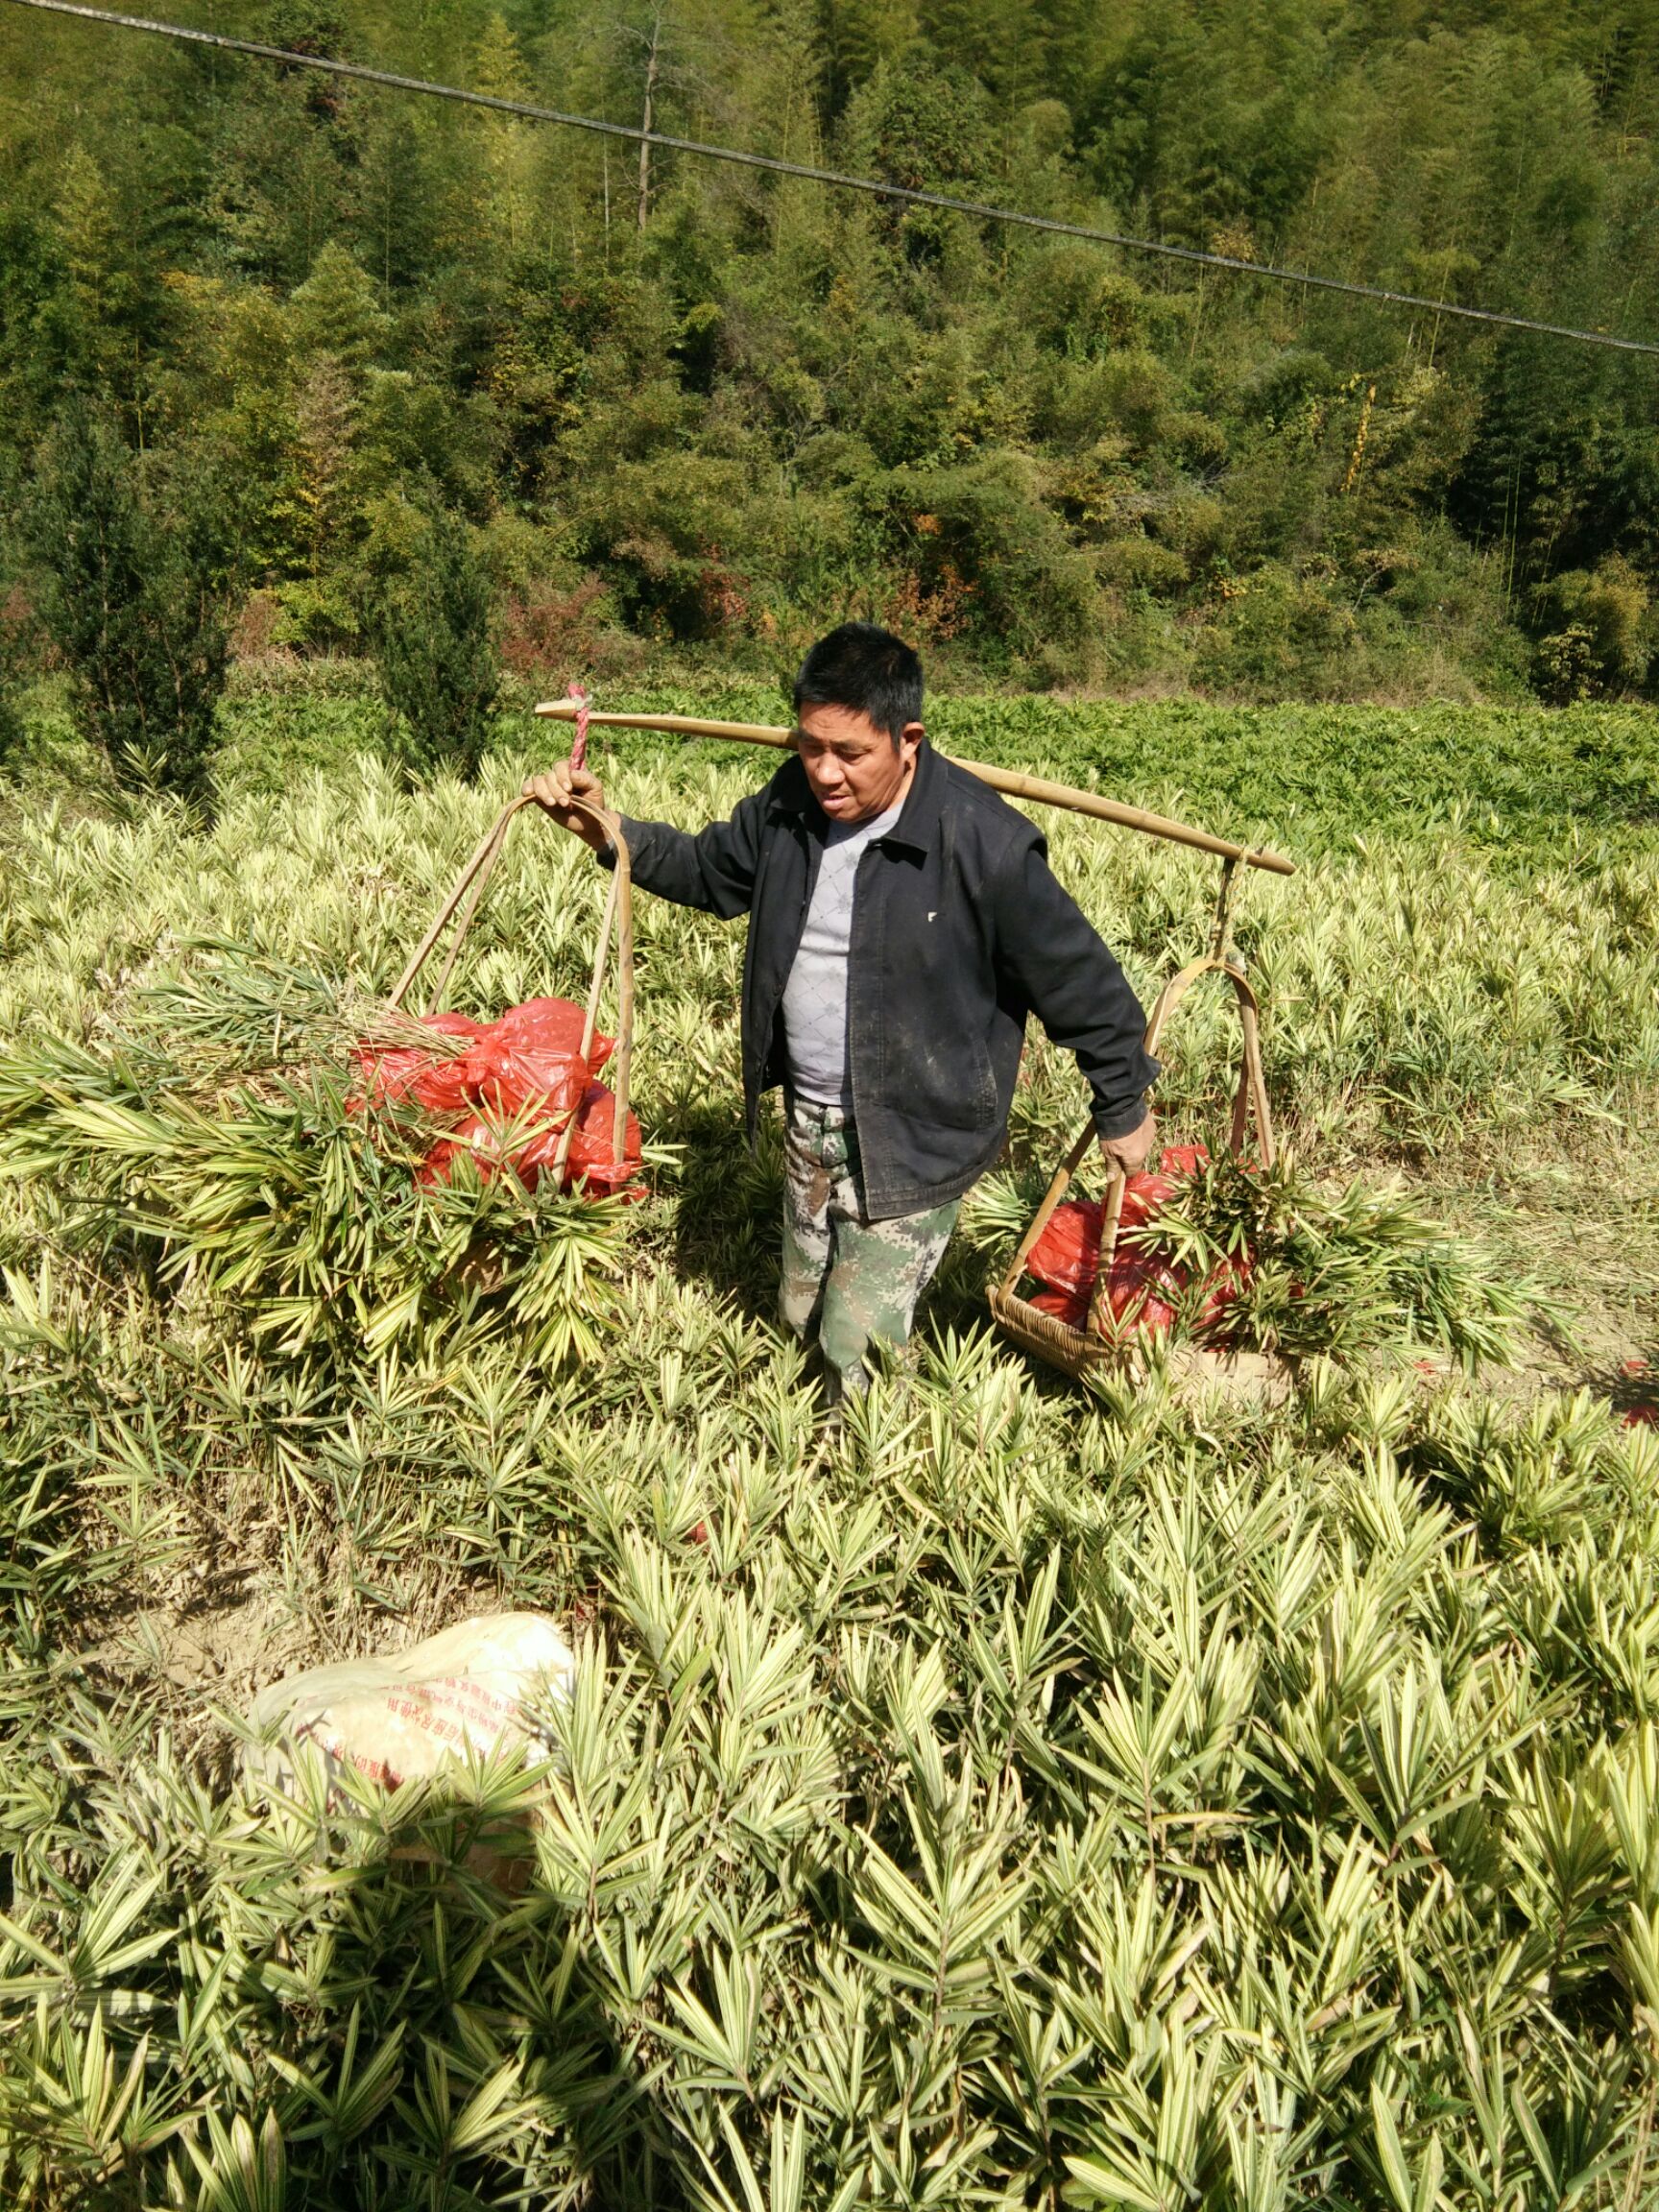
(1008, 781)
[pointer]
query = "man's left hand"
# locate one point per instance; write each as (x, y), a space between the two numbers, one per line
(1132, 1152)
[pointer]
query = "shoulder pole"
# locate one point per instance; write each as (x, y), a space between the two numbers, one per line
(1008, 781)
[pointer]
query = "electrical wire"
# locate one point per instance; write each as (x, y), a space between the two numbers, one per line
(840, 180)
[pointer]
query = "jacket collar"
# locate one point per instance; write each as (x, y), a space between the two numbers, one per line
(918, 824)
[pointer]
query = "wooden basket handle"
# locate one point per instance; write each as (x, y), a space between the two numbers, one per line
(1250, 1098)
(618, 916)
(1249, 1102)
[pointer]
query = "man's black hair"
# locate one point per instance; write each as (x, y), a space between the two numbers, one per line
(867, 669)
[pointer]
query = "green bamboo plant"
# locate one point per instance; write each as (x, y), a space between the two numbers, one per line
(1032, 1799)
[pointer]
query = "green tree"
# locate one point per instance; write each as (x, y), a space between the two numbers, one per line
(432, 633)
(133, 593)
(1597, 632)
(336, 311)
(103, 310)
(727, 396)
(509, 149)
(12, 662)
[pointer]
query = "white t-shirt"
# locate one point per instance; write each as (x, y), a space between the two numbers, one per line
(815, 995)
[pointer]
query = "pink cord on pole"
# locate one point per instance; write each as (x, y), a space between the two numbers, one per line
(579, 743)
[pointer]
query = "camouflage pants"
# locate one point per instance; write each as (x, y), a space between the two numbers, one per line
(857, 1279)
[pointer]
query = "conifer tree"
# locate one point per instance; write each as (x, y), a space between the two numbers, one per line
(433, 640)
(134, 598)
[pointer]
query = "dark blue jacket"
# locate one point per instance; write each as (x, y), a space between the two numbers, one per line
(959, 931)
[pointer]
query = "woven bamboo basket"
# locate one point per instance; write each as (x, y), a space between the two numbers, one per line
(615, 926)
(1100, 1341)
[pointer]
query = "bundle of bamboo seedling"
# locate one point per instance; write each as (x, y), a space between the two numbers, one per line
(278, 1197)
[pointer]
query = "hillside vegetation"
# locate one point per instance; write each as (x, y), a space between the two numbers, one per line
(682, 406)
(1036, 1796)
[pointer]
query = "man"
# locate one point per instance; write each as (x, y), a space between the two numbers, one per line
(903, 922)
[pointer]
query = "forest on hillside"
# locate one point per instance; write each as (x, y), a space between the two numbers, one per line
(672, 405)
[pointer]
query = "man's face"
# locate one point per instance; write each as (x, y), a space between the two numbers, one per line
(856, 769)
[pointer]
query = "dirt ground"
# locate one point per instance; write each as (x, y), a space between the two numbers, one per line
(1580, 1229)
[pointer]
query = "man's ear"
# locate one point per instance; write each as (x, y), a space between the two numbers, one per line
(912, 733)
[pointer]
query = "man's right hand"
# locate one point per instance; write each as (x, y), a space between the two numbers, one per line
(555, 787)
(1129, 1154)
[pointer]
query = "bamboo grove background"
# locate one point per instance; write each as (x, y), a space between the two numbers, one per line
(688, 409)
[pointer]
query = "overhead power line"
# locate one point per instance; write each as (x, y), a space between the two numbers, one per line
(905, 194)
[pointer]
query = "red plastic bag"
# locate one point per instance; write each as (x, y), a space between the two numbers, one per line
(532, 1057)
(526, 1068)
(1067, 1256)
(589, 1167)
(591, 1163)
(1181, 1162)
(550, 1025)
(1222, 1288)
(532, 1065)
(391, 1074)
(483, 1140)
(1142, 1293)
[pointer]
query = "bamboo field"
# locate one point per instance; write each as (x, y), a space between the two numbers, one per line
(1032, 1796)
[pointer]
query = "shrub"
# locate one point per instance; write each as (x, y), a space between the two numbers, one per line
(13, 629)
(675, 528)
(432, 635)
(1597, 635)
(133, 593)
(1281, 631)
(981, 531)
(547, 629)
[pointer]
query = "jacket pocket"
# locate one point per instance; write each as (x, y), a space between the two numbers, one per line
(948, 1081)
